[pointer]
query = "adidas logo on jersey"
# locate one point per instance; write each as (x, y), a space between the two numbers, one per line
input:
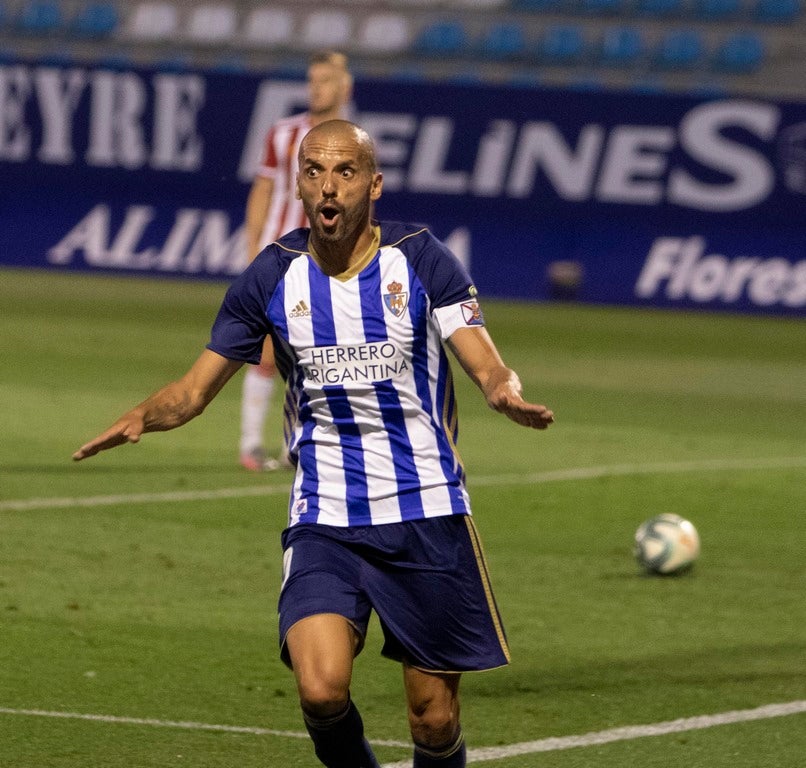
(300, 310)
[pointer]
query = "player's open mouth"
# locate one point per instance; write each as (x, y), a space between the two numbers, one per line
(328, 214)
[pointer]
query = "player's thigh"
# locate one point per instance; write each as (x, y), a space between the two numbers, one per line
(321, 649)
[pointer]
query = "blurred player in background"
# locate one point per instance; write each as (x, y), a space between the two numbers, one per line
(272, 210)
(379, 515)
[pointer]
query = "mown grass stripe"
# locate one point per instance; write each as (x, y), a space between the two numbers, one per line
(549, 476)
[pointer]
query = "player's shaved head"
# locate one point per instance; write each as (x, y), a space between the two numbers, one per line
(337, 131)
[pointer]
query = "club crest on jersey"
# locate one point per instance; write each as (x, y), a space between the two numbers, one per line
(472, 313)
(397, 299)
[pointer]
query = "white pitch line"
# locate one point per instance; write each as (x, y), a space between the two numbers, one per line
(182, 724)
(22, 505)
(550, 476)
(627, 733)
(482, 754)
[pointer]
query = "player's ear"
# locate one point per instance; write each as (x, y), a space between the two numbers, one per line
(297, 193)
(377, 186)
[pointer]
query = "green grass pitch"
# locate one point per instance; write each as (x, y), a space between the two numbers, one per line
(163, 610)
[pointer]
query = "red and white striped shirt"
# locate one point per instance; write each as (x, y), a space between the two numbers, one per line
(279, 164)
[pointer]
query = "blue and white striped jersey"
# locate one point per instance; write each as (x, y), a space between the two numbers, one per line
(370, 401)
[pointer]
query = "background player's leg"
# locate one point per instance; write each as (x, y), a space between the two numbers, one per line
(433, 701)
(258, 387)
(322, 649)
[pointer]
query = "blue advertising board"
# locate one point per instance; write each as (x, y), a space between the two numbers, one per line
(609, 198)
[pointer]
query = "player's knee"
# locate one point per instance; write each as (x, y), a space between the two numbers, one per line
(322, 698)
(432, 724)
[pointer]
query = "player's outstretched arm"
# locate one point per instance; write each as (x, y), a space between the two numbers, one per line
(170, 407)
(477, 354)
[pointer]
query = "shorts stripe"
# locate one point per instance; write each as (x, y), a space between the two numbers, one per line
(485, 578)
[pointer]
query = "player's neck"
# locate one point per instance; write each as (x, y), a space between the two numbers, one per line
(345, 258)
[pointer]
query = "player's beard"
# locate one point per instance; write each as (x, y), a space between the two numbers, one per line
(346, 226)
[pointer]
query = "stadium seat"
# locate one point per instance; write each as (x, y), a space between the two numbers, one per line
(212, 24)
(268, 27)
(778, 11)
(153, 21)
(716, 10)
(96, 20)
(536, 5)
(680, 49)
(660, 8)
(562, 44)
(442, 38)
(741, 53)
(40, 17)
(326, 29)
(505, 40)
(621, 46)
(476, 4)
(384, 33)
(602, 7)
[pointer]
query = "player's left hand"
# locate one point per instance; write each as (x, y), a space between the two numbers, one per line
(503, 393)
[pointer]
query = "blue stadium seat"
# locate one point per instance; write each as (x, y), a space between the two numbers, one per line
(442, 38)
(778, 11)
(40, 17)
(622, 46)
(680, 49)
(506, 40)
(562, 44)
(716, 10)
(602, 7)
(96, 20)
(536, 5)
(741, 53)
(660, 8)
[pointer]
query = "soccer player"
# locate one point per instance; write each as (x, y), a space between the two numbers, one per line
(379, 517)
(272, 209)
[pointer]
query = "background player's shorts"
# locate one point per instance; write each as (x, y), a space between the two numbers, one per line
(426, 579)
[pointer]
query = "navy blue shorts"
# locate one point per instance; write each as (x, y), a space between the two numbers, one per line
(426, 580)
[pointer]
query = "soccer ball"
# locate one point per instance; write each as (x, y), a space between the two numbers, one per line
(666, 544)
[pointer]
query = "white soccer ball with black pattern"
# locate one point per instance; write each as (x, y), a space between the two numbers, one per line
(666, 544)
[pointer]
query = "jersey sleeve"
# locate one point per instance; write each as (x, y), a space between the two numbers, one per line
(451, 293)
(242, 322)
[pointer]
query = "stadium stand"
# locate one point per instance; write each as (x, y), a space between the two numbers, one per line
(744, 47)
(96, 20)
